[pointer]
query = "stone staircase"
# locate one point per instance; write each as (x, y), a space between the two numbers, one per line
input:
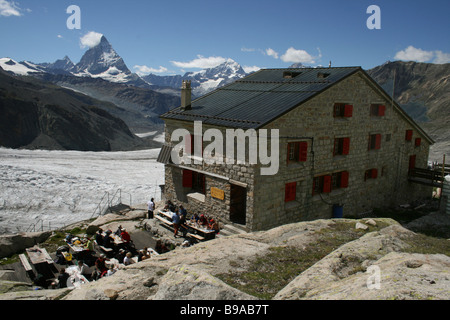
(231, 229)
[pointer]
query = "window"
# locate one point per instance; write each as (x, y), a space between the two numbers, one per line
(322, 75)
(194, 180)
(290, 192)
(371, 174)
(412, 162)
(291, 74)
(408, 135)
(342, 110)
(341, 146)
(418, 142)
(189, 144)
(327, 183)
(377, 110)
(339, 180)
(375, 142)
(297, 152)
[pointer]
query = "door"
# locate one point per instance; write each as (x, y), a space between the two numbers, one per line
(238, 204)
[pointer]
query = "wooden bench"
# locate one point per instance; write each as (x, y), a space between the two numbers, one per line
(196, 236)
(25, 263)
(165, 221)
(106, 249)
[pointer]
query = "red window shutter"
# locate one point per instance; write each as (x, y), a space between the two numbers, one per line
(412, 162)
(409, 134)
(348, 111)
(374, 173)
(381, 111)
(188, 144)
(187, 178)
(303, 152)
(378, 141)
(346, 146)
(344, 179)
(290, 191)
(418, 142)
(327, 184)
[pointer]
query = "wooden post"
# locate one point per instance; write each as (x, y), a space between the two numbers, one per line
(442, 184)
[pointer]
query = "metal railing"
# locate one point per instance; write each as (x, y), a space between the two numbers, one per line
(106, 203)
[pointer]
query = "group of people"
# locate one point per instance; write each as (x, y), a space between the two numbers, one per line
(181, 221)
(106, 239)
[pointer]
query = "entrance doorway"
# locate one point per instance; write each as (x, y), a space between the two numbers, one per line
(238, 204)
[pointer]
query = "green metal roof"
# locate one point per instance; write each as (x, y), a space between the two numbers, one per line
(261, 97)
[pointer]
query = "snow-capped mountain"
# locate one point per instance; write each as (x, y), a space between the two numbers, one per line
(61, 65)
(102, 61)
(202, 81)
(23, 68)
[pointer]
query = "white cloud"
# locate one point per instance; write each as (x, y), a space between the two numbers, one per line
(441, 57)
(200, 63)
(295, 56)
(272, 53)
(59, 36)
(414, 54)
(90, 39)
(9, 8)
(249, 69)
(244, 49)
(144, 70)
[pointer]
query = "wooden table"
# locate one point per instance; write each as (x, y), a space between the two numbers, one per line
(206, 233)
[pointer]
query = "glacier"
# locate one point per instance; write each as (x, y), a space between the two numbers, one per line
(64, 187)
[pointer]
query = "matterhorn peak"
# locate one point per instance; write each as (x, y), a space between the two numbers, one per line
(101, 60)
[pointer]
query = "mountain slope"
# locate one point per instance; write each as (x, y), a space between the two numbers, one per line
(37, 115)
(203, 81)
(423, 91)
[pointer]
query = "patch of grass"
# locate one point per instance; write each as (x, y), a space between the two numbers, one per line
(267, 274)
(421, 243)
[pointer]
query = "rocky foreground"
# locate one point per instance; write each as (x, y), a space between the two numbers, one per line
(370, 259)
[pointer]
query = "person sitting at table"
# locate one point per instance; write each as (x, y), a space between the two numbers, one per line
(118, 231)
(143, 255)
(214, 225)
(99, 237)
(169, 206)
(203, 221)
(120, 255)
(176, 223)
(83, 269)
(195, 218)
(125, 236)
(112, 269)
(100, 267)
(128, 259)
(62, 279)
(108, 241)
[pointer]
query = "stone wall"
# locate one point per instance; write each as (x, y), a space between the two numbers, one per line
(217, 176)
(315, 123)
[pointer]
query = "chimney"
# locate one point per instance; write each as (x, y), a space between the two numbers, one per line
(186, 95)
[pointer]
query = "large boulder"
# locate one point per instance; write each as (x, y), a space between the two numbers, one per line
(14, 243)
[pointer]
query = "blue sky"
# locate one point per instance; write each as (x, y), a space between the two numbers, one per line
(171, 37)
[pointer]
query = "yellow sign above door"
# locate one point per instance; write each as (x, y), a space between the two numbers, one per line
(217, 193)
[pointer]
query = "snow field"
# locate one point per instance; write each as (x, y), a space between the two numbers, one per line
(63, 187)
